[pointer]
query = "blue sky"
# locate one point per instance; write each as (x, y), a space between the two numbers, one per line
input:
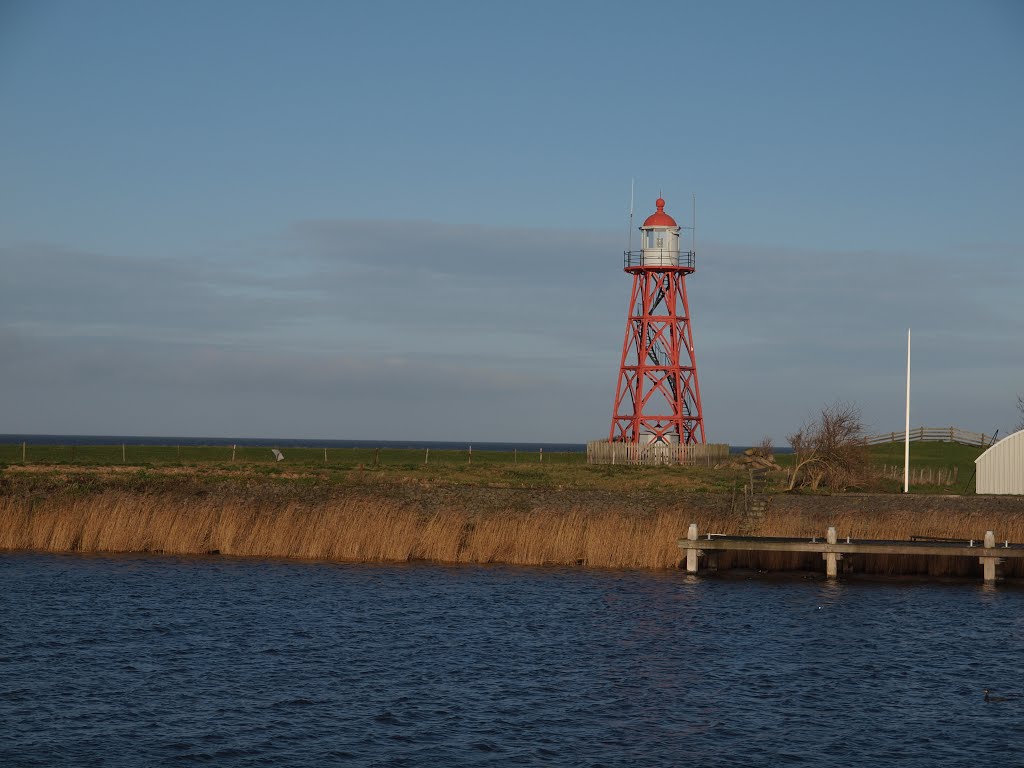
(405, 220)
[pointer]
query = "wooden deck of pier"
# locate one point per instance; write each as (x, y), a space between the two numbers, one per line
(987, 550)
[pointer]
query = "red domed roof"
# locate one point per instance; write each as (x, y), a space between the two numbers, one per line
(659, 218)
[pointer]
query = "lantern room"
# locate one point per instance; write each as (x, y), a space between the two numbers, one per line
(660, 239)
(659, 244)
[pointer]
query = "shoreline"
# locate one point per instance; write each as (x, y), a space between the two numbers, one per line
(401, 519)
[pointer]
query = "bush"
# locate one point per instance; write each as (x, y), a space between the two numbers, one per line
(830, 450)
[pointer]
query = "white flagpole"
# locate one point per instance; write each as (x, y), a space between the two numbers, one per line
(906, 434)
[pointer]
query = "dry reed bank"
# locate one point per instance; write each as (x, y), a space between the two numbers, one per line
(370, 518)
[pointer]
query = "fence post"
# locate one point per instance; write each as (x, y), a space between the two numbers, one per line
(22, 451)
(122, 453)
(541, 455)
(471, 454)
(426, 457)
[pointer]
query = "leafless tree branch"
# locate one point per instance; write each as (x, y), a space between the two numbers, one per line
(830, 449)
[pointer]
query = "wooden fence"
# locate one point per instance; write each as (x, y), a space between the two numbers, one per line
(934, 435)
(604, 452)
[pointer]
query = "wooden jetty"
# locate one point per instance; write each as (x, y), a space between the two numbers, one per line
(832, 549)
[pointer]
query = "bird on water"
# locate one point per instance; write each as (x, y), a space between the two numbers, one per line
(991, 699)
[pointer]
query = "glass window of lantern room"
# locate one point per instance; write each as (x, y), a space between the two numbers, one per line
(650, 238)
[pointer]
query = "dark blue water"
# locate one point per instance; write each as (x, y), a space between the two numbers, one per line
(123, 661)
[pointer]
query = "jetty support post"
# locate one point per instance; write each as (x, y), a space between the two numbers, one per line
(692, 553)
(831, 558)
(989, 563)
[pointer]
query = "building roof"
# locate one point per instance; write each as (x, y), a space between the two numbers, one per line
(659, 218)
(1001, 467)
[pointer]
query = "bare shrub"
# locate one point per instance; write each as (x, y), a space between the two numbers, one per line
(830, 450)
(766, 448)
(1020, 410)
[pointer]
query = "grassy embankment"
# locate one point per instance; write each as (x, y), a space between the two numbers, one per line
(389, 506)
(484, 468)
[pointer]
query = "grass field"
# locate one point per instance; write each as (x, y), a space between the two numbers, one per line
(930, 456)
(338, 458)
(520, 469)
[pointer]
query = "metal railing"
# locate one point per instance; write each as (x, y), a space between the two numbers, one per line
(658, 258)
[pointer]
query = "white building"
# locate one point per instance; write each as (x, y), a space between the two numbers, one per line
(1001, 467)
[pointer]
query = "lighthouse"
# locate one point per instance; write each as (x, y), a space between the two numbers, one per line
(657, 400)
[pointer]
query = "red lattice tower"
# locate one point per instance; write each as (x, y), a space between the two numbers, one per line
(658, 398)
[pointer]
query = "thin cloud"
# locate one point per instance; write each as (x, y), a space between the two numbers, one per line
(418, 330)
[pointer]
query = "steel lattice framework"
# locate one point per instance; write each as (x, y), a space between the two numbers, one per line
(658, 397)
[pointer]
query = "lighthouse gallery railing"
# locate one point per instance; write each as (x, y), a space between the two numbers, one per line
(658, 257)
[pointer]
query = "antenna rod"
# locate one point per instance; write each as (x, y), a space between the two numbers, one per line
(629, 234)
(694, 194)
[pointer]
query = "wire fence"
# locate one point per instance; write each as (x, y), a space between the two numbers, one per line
(129, 454)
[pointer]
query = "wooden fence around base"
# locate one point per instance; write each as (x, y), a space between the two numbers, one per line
(604, 452)
(934, 435)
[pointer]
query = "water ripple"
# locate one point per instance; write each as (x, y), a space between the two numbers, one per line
(124, 661)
